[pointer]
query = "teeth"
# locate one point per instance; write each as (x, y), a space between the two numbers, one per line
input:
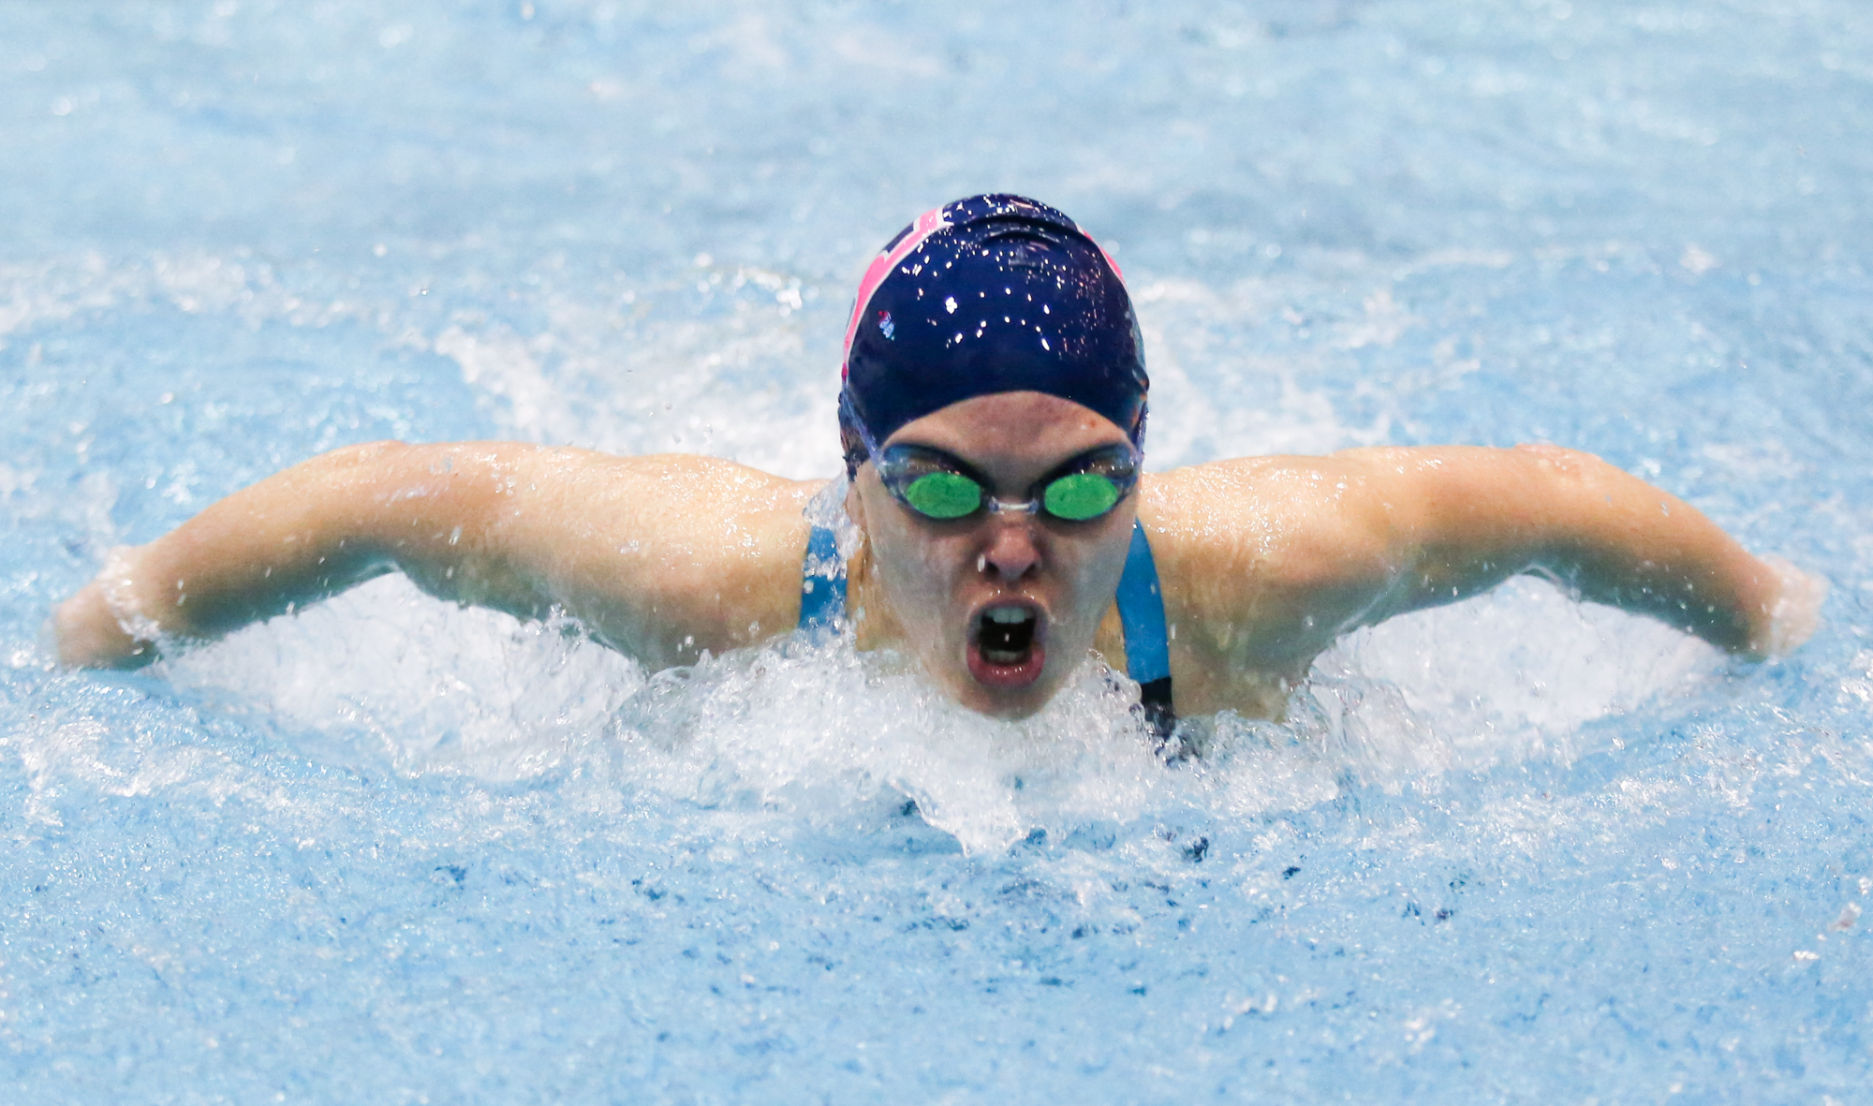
(1006, 635)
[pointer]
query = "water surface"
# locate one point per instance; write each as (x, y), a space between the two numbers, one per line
(391, 851)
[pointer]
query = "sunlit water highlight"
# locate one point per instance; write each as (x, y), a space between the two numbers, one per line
(392, 851)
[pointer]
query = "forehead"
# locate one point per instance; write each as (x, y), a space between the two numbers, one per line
(1011, 426)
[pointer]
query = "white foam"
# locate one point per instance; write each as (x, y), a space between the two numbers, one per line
(429, 687)
(1513, 676)
(828, 738)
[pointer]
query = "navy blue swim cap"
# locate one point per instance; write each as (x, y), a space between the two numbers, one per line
(990, 294)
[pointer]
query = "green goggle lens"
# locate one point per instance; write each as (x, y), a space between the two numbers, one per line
(1080, 496)
(943, 495)
(938, 488)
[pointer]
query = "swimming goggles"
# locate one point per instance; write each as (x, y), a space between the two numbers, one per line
(937, 486)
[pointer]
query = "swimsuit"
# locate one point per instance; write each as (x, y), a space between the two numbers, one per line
(1140, 602)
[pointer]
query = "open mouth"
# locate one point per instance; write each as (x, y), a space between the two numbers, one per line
(1005, 647)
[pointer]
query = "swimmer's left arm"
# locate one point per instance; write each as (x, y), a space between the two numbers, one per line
(1363, 535)
(1465, 519)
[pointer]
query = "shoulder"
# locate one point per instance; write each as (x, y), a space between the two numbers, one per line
(672, 552)
(1312, 519)
(1271, 557)
(1263, 559)
(685, 523)
(676, 501)
(1287, 521)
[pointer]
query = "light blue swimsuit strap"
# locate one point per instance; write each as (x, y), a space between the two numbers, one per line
(1147, 640)
(1140, 602)
(822, 583)
(1141, 613)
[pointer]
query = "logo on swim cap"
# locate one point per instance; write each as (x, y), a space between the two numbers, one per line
(994, 293)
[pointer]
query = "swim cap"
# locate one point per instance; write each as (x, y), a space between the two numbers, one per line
(990, 294)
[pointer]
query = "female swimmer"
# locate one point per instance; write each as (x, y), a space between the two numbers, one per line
(993, 416)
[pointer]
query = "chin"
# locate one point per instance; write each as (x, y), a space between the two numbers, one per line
(1007, 704)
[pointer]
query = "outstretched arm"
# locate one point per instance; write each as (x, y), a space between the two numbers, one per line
(1348, 540)
(661, 557)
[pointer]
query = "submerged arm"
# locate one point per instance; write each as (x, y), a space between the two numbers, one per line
(1357, 537)
(660, 557)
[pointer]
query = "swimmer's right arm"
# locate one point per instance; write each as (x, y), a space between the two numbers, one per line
(660, 557)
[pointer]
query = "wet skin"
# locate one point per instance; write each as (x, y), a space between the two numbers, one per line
(933, 582)
(1264, 560)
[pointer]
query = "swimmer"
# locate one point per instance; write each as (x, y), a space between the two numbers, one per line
(996, 523)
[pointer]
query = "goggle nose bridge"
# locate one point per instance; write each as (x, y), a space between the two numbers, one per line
(995, 506)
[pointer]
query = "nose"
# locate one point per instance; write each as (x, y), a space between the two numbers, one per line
(1012, 552)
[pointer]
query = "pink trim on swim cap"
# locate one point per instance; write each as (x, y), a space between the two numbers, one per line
(926, 225)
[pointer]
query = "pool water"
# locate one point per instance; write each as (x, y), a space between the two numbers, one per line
(390, 851)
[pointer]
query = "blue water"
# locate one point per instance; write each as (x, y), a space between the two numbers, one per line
(390, 851)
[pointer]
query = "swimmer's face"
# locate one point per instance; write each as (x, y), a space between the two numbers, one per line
(999, 608)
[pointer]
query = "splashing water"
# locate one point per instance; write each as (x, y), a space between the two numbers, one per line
(389, 850)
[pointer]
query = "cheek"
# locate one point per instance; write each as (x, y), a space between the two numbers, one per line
(1095, 566)
(915, 571)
